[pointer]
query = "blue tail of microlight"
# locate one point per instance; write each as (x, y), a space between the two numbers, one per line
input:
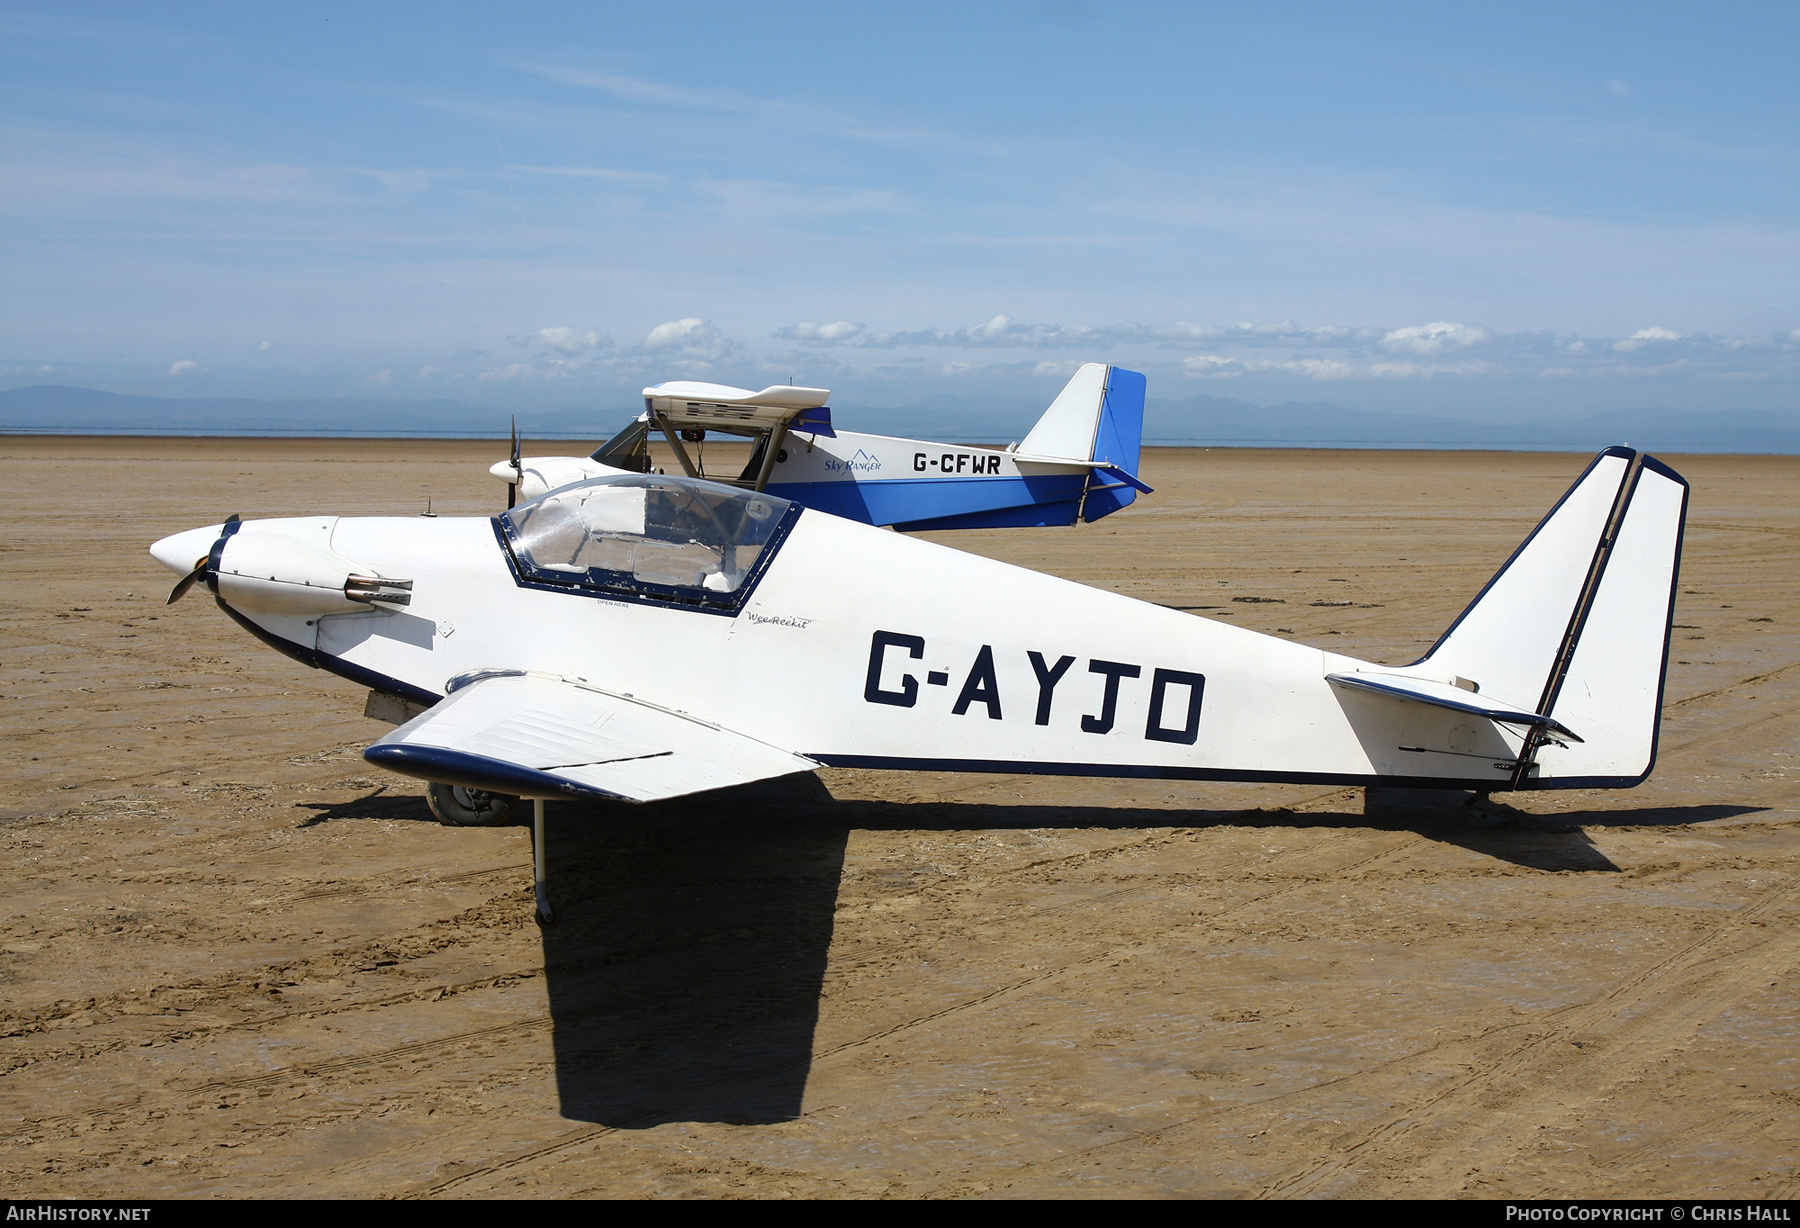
(1097, 423)
(1118, 439)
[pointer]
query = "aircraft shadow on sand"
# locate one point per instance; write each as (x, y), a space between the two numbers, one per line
(687, 966)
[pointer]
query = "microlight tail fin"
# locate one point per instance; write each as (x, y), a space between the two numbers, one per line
(1098, 416)
(1575, 626)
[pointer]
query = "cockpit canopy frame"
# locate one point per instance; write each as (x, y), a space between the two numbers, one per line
(661, 539)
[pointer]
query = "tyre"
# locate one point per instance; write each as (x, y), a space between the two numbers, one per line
(461, 806)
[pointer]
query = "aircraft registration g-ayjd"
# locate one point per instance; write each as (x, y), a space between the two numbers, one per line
(1078, 463)
(643, 636)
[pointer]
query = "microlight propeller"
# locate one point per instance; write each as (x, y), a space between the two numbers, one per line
(199, 573)
(512, 487)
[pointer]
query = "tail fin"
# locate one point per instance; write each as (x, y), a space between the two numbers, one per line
(1098, 416)
(1575, 626)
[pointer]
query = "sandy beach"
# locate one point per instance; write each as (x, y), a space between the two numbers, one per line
(237, 961)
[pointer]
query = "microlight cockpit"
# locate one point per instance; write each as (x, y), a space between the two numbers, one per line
(650, 538)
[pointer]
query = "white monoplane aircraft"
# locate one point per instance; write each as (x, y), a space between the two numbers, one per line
(1078, 463)
(644, 636)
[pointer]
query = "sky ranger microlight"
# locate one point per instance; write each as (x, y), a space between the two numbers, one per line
(1078, 463)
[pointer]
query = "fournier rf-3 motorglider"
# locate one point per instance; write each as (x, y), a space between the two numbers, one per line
(647, 636)
(1078, 463)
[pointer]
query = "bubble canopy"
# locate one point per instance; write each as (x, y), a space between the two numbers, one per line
(649, 537)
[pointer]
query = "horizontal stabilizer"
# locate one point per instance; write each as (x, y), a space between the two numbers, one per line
(1129, 479)
(1444, 695)
(1100, 468)
(537, 736)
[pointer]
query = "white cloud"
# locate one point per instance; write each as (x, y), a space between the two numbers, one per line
(1643, 337)
(657, 93)
(1003, 331)
(1204, 365)
(383, 377)
(1321, 368)
(186, 366)
(837, 332)
(999, 326)
(1435, 338)
(690, 337)
(567, 339)
(1618, 89)
(426, 372)
(263, 347)
(1001, 347)
(592, 172)
(1176, 334)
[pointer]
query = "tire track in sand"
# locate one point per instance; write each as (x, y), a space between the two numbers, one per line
(1464, 1051)
(1657, 987)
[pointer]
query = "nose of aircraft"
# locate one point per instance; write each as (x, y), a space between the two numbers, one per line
(180, 552)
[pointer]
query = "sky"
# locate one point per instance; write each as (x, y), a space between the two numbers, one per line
(1457, 209)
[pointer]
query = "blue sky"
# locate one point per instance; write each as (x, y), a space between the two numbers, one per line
(1431, 208)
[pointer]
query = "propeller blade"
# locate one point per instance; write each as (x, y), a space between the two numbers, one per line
(186, 582)
(512, 487)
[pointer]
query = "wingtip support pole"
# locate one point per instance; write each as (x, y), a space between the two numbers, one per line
(546, 915)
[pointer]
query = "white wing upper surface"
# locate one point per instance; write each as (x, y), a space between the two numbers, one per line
(545, 737)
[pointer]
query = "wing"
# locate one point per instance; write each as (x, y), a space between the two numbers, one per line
(537, 736)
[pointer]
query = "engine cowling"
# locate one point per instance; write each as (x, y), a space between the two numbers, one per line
(289, 567)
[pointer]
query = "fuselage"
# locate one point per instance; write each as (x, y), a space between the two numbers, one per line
(854, 646)
(880, 480)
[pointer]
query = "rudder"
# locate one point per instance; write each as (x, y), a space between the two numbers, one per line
(1118, 440)
(1575, 625)
(1612, 684)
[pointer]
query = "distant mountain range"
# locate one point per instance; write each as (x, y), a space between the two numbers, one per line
(1202, 420)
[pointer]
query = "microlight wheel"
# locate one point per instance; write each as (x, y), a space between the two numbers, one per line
(461, 806)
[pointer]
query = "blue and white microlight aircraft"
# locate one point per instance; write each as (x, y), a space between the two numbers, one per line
(1078, 463)
(642, 636)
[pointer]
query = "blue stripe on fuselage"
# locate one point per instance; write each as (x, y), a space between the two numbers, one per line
(902, 501)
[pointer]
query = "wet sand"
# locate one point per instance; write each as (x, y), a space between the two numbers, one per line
(237, 961)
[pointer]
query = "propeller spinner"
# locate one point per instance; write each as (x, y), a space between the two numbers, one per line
(201, 566)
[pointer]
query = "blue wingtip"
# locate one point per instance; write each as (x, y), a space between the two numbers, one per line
(814, 422)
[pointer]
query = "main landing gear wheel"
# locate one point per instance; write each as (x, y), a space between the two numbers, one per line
(461, 806)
